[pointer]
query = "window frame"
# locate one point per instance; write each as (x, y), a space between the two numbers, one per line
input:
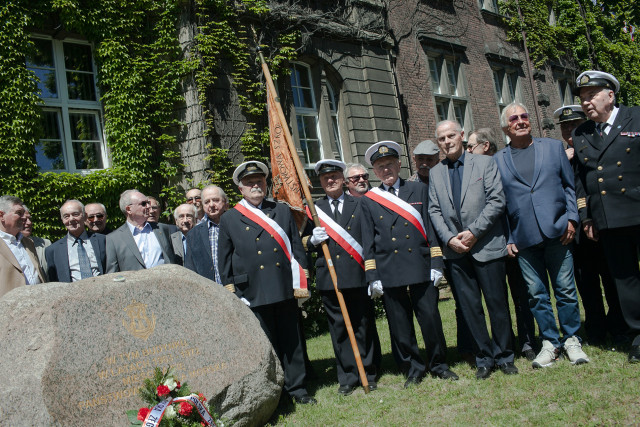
(450, 98)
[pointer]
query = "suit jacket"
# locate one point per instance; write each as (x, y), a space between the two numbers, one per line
(57, 256)
(178, 249)
(608, 171)
(123, 254)
(350, 273)
(252, 260)
(199, 258)
(41, 244)
(482, 205)
(11, 275)
(545, 206)
(395, 252)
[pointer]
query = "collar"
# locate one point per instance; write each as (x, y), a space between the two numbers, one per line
(395, 185)
(84, 236)
(460, 159)
(10, 238)
(340, 199)
(612, 117)
(210, 222)
(135, 230)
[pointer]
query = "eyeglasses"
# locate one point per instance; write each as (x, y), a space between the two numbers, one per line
(95, 216)
(472, 147)
(523, 116)
(193, 199)
(356, 178)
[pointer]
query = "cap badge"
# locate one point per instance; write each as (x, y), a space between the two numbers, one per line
(585, 79)
(383, 150)
(567, 112)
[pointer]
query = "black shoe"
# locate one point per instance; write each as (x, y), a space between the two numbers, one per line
(412, 381)
(305, 400)
(373, 386)
(483, 373)
(346, 390)
(529, 354)
(508, 368)
(634, 354)
(446, 375)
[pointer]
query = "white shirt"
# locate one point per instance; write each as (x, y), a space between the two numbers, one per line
(74, 262)
(22, 256)
(340, 203)
(147, 244)
(395, 185)
(610, 120)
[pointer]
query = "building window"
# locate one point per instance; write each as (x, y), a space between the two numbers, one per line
(565, 88)
(449, 90)
(316, 105)
(506, 84)
(72, 138)
(489, 6)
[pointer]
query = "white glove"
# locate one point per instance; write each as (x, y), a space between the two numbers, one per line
(375, 289)
(319, 235)
(436, 276)
(244, 300)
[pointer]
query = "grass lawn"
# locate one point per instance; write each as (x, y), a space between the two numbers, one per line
(603, 392)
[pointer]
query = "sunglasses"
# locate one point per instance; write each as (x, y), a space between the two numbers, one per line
(523, 116)
(192, 199)
(96, 216)
(357, 178)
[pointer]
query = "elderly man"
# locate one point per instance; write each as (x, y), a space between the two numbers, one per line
(340, 216)
(400, 252)
(357, 180)
(466, 204)
(482, 141)
(185, 217)
(608, 182)
(260, 254)
(138, 244)
(78, 255)
(425, 156)
(542, 216)
(154, 210)
(202, 242)
(96, 218)
(19, 263)
(194, 197)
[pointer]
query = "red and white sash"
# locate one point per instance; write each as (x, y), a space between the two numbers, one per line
(399, 206)
(157, 412)
(272, 227)
(340, 236)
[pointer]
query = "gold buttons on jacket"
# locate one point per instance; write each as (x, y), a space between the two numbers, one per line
(406, 223)
(259, 252)
(348, 228)
(603, 192)
(628, 150)
(619, 163)
(600, 179)
(337, 256)
(599, 168)
(409, 249)
(277, 264)
(619, 177)
(395, 251)
(407, 236)
(247, 228)
(586, 159)
(622, 190)
(380, 216)
(275, 249)
(257, 238)
(393, 239)
(262, 267)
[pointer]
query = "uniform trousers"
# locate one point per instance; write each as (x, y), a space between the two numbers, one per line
(280, 323)
(400, 304)
(362, 317)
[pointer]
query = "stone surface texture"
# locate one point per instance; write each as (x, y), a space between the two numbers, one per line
(76, 354)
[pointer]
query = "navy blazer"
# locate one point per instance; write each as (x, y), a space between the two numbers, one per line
(199, 258)
(546, 205)
(57, 256)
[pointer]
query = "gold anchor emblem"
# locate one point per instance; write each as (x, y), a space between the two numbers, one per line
(140, 326)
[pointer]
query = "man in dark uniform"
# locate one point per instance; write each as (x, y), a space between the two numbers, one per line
(608, 186)
(260, 255)
(400, 253)
(340, 215)
(589, 264)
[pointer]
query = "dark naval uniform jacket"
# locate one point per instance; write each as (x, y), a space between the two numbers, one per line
(608, 171)
(350, 273)
(253, 261)
(395, 252)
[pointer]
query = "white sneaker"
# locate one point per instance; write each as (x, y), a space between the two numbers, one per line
(573, 348)
(547, 356)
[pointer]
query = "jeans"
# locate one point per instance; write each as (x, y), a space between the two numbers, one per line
(555, 258)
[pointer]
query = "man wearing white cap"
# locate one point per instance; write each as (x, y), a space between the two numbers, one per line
(400, 251)
(340, 216)
(261, 258)
(425, 156)
(608, 186)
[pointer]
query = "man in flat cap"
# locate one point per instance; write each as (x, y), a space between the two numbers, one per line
(340, 216)
(260, 257)
(425, 156)
(400, 252)
(608, 186)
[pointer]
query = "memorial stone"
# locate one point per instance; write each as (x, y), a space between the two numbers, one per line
(76, 353)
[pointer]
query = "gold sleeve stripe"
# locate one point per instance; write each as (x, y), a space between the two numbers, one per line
(305, 239)
(306, 272)
(582, 202)
(369, 264)
(436, 251)
(230, 287)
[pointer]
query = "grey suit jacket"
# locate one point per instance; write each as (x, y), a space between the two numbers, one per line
(123, 254)
(482, 205)
(178, 249)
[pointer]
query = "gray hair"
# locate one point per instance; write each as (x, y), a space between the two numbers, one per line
(99, 204)
(456, 125)
(486, 135)
(125, 199)
(503, 116)
(7, 202)
(72, 201)
(193, 208)
(351, 166)
(223, 195)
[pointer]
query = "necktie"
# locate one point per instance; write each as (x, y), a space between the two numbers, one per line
(83, 259)
(601, 128)
(336, 212)
(456, 186)
(392, 190)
